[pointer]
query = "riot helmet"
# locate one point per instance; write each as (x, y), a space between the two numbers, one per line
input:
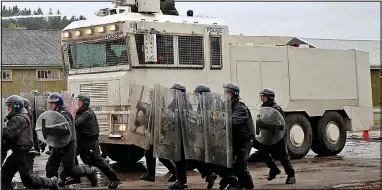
(47, 93)
(232, 89)
(178, 86)
(26, 103)
(269, 93)
(84, 98)
(56, 98)
(202, 88)
(16, 103)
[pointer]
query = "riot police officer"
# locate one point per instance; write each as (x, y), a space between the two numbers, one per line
(35, 136)
(242, 134)
(19, 132)
(149, 154)
(87, 130)
(203, 168)
(279, 149)
(67, 154)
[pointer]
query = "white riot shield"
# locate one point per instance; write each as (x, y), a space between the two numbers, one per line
(70, 102)
(167, 141)
(193, 131)
(53, 129)
(218, 134)
(270, 125)
(138, 132)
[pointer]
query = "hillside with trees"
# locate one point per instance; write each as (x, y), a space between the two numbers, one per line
(34, 23)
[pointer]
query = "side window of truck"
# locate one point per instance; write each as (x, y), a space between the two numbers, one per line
(165, 49)
(191, 50)
(216, 52)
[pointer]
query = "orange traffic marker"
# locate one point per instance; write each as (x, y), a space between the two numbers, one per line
(365, 135)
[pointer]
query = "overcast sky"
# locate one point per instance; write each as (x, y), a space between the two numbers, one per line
(344, 20)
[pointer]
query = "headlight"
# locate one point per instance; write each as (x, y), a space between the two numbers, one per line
(88, 31)
(112, 27)
(77, 33)
(119, 127)
(66, 34)
(99, 29)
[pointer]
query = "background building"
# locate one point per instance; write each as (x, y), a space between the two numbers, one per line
(30, 60)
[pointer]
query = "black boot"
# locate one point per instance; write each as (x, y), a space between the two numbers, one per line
(211, 180)
(230, 182)
(273, 173)
(92, 177)
(290, 180)
(114, 184)
(178, 185)
(147, 177)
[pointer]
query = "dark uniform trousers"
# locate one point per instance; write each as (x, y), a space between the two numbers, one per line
(66, 155)
(241, 150)
(90, 154)
(22, 162)
(204, 169)
(151, 162)
(279, 151)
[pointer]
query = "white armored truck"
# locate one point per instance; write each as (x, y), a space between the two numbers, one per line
(325, 93)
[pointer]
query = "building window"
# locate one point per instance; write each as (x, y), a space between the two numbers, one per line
(191, 50)
(48, 74)
(6, 75)
(216, 52)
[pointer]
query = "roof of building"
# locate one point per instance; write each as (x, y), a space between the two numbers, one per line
(259, 40)
(30, 47)
(371, 46)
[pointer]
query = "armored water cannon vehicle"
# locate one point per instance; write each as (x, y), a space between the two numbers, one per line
(323, 92)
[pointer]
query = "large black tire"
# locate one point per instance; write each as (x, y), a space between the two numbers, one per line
(321, 145)
(298, 151)
(124, 154)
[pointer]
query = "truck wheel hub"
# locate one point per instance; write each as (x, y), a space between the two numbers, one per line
(296, 135)
(332, 132)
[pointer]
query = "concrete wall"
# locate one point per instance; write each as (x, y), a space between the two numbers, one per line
(376, 86)
(24, 80)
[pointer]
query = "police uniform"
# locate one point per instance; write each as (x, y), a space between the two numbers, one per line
(19, 131)
(242, 135)
(87, 129)
(278, 150)
(67, 154)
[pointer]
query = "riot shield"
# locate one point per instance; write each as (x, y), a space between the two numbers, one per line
(192, 127)
(4, 112)
(29, 97)
(270, 126)
(69, 101)
(138, 132)
(53, 129)
(167, 143)
(41, 105)
(216, 110)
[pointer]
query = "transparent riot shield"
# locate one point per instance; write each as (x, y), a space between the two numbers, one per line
(193, 131)
(270, 126)
(53, 129)
(138, 132)
(4, 112)
(70, 102)
(29, 97)
(216, 110)
(41, 105)
(167, 141)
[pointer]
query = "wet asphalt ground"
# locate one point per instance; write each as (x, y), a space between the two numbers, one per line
(357, 166)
